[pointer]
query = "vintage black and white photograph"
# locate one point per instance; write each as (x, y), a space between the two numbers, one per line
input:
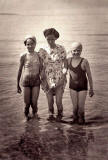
(53, 79)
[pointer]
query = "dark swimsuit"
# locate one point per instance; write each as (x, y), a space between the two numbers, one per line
(80, 83)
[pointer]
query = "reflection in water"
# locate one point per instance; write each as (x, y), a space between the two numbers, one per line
(78, 141)
(56, 142)
(30, 143)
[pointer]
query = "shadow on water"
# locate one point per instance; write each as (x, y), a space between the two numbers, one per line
(50, 141)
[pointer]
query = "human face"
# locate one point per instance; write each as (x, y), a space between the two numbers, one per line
(30, 44)
(51, 40)
(76, 49)
(76, 52)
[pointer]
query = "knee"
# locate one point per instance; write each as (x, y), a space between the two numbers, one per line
(34, 102)
(75, 107)
(59, 102)
(50, 99)
(27, 101)
(27, 105)
(50, 102)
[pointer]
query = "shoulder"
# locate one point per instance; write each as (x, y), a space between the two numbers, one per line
(42, 53)
(41, 50)
(22, 56)
(38, 54)
(60, 47)
(61, 51)
(85, 64)
(85, 61)
(69, 60)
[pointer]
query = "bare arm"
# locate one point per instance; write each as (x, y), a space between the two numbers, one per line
(65, 67)
(89, 75)
(44, 83)
(19, 74)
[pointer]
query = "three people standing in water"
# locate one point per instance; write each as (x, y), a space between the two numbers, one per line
(48, 67)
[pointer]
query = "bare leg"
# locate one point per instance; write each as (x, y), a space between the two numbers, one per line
(59, 95)
(35, 95)
(27, 99)
(50, 99)
(74, 98)
(81, 103)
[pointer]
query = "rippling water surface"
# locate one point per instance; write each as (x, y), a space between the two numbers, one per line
(54, 141)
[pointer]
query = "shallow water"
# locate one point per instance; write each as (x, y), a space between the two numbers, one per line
(54, 141)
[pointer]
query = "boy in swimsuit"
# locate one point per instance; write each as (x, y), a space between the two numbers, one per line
(80, 75)
(31, 64)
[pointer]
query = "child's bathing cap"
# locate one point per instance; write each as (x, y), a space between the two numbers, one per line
(76, 45)
(29, 37)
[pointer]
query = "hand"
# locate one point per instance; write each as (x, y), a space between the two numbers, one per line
(91, 92)
(42, 75)
(53, 85)
(19, 89)
(62, 81)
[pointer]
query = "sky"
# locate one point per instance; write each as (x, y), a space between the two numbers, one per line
(18, 6)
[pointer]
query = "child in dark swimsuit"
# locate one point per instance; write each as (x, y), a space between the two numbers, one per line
(31, 63)
(80, 75)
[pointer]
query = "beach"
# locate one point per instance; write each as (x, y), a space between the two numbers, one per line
(43, 140)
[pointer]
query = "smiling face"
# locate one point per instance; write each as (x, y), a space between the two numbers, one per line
(76, 49)
(30, 44)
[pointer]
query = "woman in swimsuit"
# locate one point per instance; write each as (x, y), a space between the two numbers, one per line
(31, 63)
(80, 75)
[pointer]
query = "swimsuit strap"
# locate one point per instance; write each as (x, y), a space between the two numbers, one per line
(74, 68)
(24, 57)
(78, 64)
(80, 61)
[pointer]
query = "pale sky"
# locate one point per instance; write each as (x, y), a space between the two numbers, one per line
(36, 5)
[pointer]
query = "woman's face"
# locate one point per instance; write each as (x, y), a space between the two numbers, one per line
(51, 40)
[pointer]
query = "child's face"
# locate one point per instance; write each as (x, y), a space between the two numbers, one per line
(76, 49)
(30, 44)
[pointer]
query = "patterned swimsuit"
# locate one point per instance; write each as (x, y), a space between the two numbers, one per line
(31, 70)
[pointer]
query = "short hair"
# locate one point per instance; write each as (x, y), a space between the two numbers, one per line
(51, 31)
